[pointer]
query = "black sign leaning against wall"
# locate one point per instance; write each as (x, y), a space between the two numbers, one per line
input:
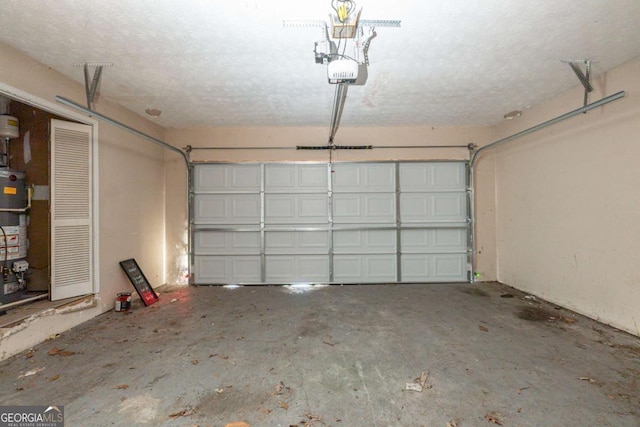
(139, 281)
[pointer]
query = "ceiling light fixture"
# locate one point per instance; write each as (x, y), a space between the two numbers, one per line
(513, 114)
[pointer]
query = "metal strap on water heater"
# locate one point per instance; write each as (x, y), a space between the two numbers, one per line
(26, 208)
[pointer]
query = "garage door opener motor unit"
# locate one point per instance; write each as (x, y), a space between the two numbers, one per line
(15, 200)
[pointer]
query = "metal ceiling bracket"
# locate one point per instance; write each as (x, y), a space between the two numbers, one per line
(91, 83)
(584, 77)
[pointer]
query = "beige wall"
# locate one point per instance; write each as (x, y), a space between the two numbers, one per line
(568, 206)
(130, 197)
(290, 137)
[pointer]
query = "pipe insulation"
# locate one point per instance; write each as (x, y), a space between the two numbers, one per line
(156, 141)
(476, 155)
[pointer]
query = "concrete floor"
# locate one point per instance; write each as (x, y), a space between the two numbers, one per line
(335, 356)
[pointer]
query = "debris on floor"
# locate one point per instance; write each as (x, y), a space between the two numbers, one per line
(60, 351)
(419, 383)
(32, 372)
(493, 418)
(183, 413)
(237, 424)
(310, 420)
(283, 405)
(506, 296)
(452, 423)
(520, 390)
(483, 328)
(591, 380)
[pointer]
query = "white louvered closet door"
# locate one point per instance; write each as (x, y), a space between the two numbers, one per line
(71, 210)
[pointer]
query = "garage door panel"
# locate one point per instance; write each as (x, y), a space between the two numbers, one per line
(364, 268)
(227, 178)
(433, 207)
(227, 269)
(296, 208)
(434, 240)
(434, 267)
(296, 178)
(227, 209)
(450, 267)
(208, 242)
(364, 241)
(364, 177)
(375, 208)
(432, 176)
(301, 268)
(296, 242)
(297, 222)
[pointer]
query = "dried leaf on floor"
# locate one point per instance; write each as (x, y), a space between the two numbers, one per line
(266, 411)
(53, 351)
(279, 387)
(492, 418)
(237, 424)
(53, 378)
(121, 387)
(31, 372)
(60, 351)
(419, 383)
(413, 387)
(568, 320)
(311, 419)
(591, 380)
(194, 362)
(29, 354)
(329, 343)
(183, 413)
(423, 378)
(483, 328)
(283, 405)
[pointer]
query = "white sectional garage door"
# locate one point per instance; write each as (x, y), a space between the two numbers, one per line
(279, 223)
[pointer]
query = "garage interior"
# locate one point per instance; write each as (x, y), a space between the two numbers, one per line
(353, 214)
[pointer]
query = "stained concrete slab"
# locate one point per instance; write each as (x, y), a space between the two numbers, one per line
(335, 356)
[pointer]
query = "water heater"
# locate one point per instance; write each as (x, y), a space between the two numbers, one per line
(13, 235)
(14, 204)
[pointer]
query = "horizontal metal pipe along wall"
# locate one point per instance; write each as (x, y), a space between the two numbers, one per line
(298, 147)
(116, 123)
(502, 141)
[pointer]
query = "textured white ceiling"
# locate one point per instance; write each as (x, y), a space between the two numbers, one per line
(232, 63)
